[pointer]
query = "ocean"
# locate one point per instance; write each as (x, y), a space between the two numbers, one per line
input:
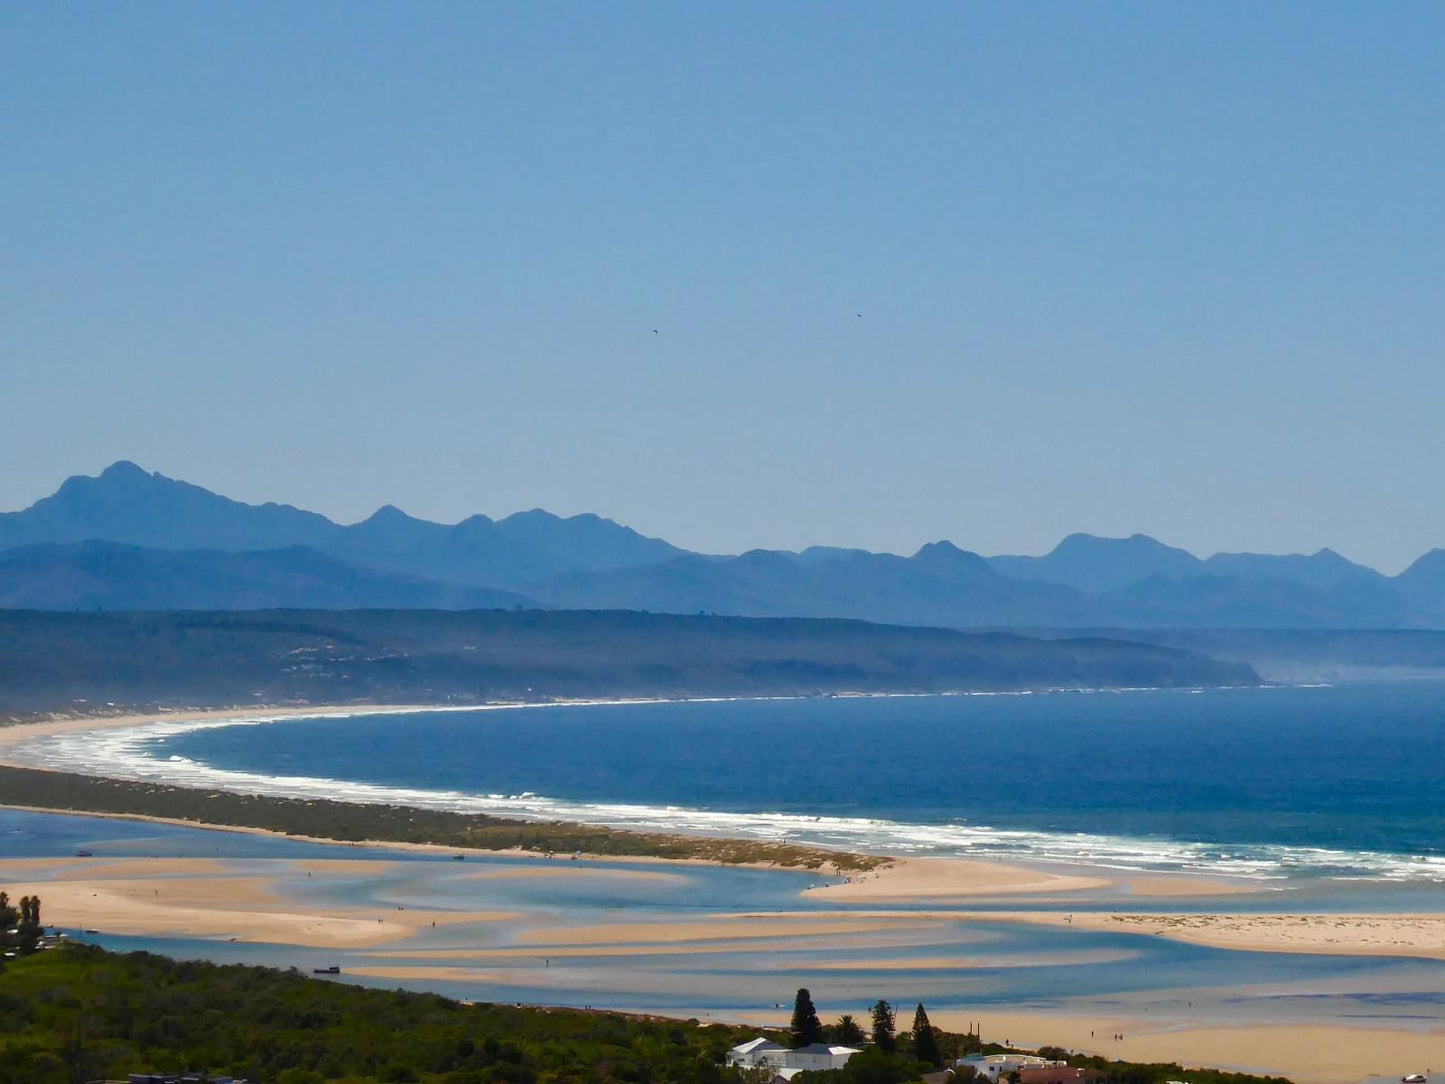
(1269, 783)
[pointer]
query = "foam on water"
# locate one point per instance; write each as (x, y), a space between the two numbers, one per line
(127, 753)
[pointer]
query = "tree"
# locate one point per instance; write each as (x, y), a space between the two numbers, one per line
(30, 910)
(925, 1039)
(847, 1031)
(806, 1026)
(883, 1026)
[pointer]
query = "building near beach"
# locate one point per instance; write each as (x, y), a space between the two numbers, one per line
(994, 1066)
(820, 1056)
(757, 1054)
(762, 1053)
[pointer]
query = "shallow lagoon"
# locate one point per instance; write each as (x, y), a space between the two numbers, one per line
(970, 966)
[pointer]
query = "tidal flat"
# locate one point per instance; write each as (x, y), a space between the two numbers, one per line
(1036, 965)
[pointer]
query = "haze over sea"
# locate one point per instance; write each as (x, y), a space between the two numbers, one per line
(1275, 782)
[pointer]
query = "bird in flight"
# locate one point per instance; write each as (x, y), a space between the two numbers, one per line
(654, 331)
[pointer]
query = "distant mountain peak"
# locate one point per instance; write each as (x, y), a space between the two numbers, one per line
(942, 548)
(1080, 540)
(1092, 563)
(124, 468)
(388, 513)
(944, 553)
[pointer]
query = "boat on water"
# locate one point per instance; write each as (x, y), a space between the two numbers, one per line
(1414, 1078)
(84, 854)
(332, 970)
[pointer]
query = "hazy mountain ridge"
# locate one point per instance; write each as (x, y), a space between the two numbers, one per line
(588, 562)
(96, 575)
(128, 505)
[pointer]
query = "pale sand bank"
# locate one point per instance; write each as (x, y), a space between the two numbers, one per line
(1188, 884)
(974, 963)
(63, 869)
(1421, 935)
(948, 878)
(22, 733)
(728, 928)
(570, 870)
(1355, 935)
(153, 898)
(942, 879)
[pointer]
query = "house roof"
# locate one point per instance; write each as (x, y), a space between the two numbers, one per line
(825, 1048)
(752, 1046)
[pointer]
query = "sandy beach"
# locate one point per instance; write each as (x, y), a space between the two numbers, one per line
(1355, 935)
(206, 899)
(21, 732)
(244, 900)
(951, 878)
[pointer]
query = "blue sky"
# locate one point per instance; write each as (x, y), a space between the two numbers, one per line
(1158, 267)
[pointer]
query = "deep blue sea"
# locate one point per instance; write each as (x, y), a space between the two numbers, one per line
(1336, 781)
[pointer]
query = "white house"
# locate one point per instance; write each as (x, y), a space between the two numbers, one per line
(758, 1053)
(819, 1056)
(764, 1053)
(994, 1066)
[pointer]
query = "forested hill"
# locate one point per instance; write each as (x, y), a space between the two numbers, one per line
(62, 661)
(79, 1013)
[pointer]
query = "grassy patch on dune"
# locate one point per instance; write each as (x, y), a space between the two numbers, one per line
(352, 822)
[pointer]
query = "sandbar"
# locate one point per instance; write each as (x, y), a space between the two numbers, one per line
(153, 898)
(951, 878)
(1421, 935)
(720, 928)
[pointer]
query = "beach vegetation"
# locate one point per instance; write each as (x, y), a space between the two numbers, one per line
(20, 928)
(847, 1031)
(883, 1026)
(351, 822)
(925, 1040)
(806, 1028)
(79, 1012)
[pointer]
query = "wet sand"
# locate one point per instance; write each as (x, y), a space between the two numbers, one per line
(246, 900)
(28, 731)
(951, 878)
(1355, 935)
(156, 898)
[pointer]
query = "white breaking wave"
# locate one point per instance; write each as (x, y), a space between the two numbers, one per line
(122, 753)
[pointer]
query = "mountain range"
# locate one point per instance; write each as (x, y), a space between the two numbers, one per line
(131, 539)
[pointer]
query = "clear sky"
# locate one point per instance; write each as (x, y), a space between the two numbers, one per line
(1173, 268)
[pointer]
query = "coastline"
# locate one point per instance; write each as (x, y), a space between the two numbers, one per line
(933, 880)
(720, 850)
